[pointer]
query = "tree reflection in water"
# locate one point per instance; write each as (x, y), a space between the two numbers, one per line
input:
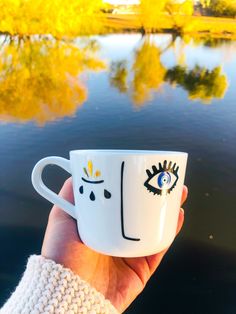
(40, 77)
(199, 82)
(148, 74)
(119, 75)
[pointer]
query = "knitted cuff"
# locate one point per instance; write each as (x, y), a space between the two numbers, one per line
(47, 287)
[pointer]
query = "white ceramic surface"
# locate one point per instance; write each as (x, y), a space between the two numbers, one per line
(126, 202)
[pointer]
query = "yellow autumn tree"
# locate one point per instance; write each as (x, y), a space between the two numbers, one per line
(167, 13)
(179, 7)
(150, 11)
(40, 78)
(59, 18)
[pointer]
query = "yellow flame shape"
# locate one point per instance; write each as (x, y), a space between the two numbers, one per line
(97, 174)
(90, 167)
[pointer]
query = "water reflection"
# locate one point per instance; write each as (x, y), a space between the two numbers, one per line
(119, 75)
(213, 42)
(148, 74)
(199, 82)
(40, 77)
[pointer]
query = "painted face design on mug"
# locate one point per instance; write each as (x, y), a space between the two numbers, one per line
(163, 179)
(92, 178)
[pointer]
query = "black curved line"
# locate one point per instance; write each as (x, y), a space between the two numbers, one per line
(94, 182)
(122, 207)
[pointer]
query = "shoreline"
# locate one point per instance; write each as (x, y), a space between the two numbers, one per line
(194, 25)
(178, 25)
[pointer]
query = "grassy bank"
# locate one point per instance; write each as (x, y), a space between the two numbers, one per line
(69, 25)
(222, 27)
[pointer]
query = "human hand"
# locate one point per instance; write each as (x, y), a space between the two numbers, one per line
(120, 280)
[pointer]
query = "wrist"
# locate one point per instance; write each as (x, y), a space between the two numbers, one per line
(47, 287)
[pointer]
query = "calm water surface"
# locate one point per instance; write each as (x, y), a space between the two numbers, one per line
(128, 92)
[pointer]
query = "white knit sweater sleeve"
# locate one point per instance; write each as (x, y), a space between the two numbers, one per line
(47, 287)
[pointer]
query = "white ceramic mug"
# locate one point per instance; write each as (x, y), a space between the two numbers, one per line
(126, 201)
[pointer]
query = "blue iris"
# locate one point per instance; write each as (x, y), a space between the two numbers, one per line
(164, 179)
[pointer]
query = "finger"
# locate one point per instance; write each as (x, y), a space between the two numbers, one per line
(184, 194)
(180, 220)
(66, 192)
(59, 221)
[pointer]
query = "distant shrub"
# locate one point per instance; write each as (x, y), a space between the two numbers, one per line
(225, 8)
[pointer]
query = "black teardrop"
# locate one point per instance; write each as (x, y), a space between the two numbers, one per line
(92, 196)
(81, 189)
(107, 194)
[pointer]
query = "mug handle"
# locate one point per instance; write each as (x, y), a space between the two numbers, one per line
(41, 188)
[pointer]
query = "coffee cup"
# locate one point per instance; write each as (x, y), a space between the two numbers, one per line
(126, 201)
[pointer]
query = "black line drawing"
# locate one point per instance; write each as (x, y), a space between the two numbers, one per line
(81, 189)
(107, 194)
(166, 178)
(122, 206)
(94, 182)
(92, 196)
(89, 171)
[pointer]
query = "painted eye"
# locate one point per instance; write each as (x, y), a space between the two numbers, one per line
(162, 180)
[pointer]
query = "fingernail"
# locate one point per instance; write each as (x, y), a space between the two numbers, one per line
(181, 209)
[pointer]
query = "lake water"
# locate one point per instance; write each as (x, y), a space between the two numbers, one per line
(128, 92)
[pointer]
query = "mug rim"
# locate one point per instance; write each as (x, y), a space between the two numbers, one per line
(128, 152)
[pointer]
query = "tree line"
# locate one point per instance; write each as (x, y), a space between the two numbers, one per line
(79, 17)
(219, 8)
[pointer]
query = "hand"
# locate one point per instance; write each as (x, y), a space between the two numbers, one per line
(120, 280)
